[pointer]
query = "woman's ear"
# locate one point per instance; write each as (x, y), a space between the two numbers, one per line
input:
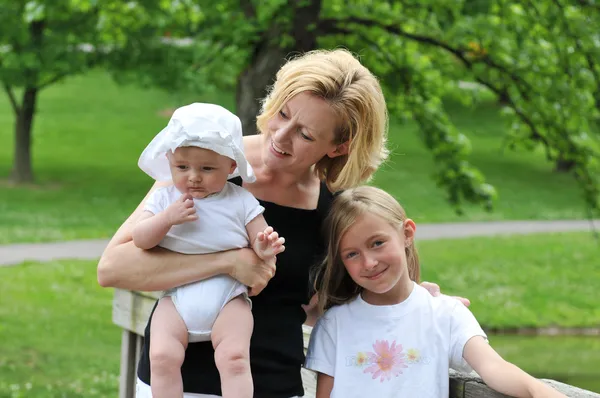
(341, 149)
(409, 231)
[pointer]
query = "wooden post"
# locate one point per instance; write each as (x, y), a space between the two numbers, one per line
(131, 310)
(128, 364)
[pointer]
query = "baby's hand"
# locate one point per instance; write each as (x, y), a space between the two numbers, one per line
(181, 211)
(268, 244)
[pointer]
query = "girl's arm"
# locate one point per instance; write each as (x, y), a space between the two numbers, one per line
(503, 376)
(324, 385)
(123, 265)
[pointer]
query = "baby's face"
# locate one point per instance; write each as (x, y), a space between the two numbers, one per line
(198, 171)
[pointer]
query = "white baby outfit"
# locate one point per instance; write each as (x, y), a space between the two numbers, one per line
(222, 217)
(402, 350)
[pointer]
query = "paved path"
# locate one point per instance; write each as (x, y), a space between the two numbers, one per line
(92, 249)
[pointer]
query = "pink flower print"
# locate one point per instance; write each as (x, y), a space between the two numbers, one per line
(386, 361)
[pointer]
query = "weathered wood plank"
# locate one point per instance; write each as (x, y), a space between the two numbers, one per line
(471, 386)
(131, 310)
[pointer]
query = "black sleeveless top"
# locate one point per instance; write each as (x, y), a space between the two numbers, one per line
(276, 349)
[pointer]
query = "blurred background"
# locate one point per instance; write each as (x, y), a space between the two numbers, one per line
(494, 116)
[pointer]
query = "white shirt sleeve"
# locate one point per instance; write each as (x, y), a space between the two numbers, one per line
(321, 352)
(464, 326)
(157, 201)
(251, 206)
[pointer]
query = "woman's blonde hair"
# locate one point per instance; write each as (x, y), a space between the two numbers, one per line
(333, 283)
(354, 94)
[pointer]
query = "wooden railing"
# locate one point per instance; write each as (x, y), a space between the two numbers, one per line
(131, 310)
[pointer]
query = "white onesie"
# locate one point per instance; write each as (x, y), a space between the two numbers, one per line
(221, 226)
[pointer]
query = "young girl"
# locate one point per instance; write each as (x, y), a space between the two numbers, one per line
(382, 334)
(202, 212)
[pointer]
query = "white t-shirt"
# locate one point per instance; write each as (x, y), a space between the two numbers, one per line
(402, 350)
(221, 224)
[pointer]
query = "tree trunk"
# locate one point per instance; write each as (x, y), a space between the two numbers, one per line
(563, 165)
(253, 83)
(22, 170)
(268, 57)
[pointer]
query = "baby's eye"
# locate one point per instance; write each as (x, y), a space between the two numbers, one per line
(208, 168)
(181, 167)
(378, 243)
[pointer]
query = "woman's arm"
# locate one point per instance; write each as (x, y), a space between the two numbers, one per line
(123, 265)
(503, 376)
(324, 385)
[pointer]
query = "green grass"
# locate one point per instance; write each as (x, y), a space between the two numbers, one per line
(56, 334)
(89, 132)
(520, 281)
(573, 360)
(57, 339)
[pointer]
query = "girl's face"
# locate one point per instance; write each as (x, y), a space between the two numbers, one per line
(301, 134)
(373, 252)
(198, 171)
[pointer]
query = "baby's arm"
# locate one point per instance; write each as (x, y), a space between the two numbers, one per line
(501, 375)
(152, 228)
(265, 242)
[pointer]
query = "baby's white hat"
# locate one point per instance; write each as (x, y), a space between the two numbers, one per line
(206, 126)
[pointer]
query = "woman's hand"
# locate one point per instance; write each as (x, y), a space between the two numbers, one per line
(434, 290)
(250, 270)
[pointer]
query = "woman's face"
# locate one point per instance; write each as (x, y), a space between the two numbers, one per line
(301, 134)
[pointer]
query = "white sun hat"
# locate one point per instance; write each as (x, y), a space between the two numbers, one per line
(206, 126)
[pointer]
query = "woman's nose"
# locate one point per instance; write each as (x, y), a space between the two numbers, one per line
(282, 131)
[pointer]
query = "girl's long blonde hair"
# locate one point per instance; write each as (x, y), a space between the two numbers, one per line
(354, 94)
(333, 283)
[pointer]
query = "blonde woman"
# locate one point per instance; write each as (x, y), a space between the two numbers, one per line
(382, 334)
(323, 128)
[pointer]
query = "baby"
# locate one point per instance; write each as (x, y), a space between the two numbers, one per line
(202, 212)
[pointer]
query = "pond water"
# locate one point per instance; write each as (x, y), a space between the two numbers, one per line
(572, 360)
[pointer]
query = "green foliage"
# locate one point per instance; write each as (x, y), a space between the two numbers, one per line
(88, 180)
(539, 59)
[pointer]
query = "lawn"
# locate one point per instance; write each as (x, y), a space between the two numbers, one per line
(520, 281)
(56, 335)
(89, 132)
(57, 339)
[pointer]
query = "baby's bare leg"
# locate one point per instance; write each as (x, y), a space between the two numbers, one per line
(168, 341)
(231, 338)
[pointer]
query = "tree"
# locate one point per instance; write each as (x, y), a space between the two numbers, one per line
(44, 41)
(539, 58)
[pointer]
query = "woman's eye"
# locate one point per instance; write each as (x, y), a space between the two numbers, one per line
(282, 114)
(351, 255)
(378, 243)
(307, 138)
